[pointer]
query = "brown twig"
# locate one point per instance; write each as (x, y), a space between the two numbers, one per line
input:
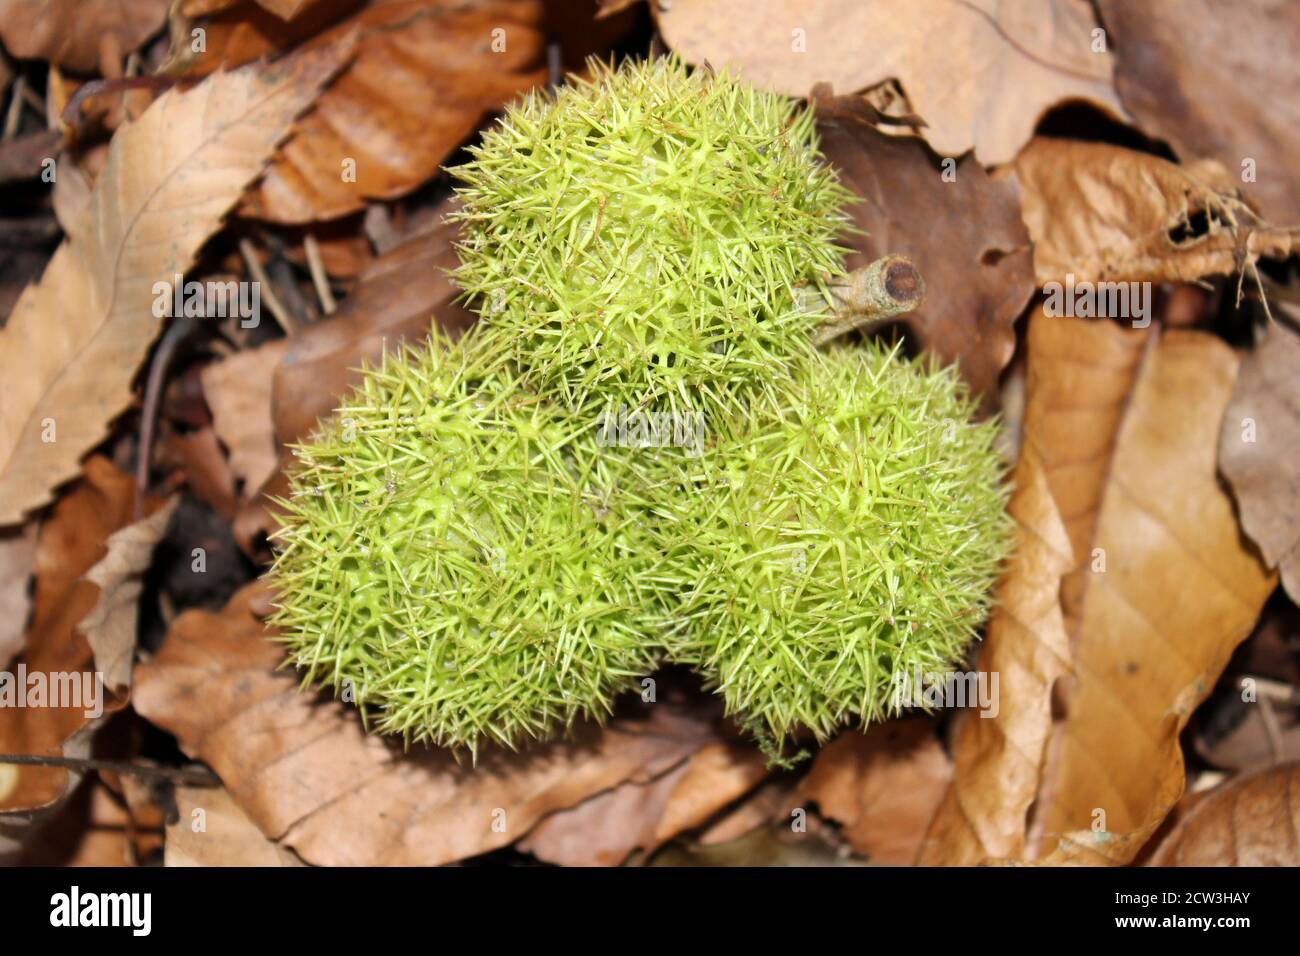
(14, 115)
(177, 332)
(195, 776)
(319, 278)
(273, 302)
(71, 115)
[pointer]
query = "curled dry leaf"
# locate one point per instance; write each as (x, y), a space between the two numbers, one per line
(767, 804)
(1015, 59)
(1257, 451)
(998, 761)
(72, 195)
(883, 786)
(199, 456)
(75, 33)
(1228, 89)
(110, 627)
(281, 9)
(1103, 213)
(964, 235)
(1124, 426)
(72, 541)
(425, 76)
(70, 350)
(645, 814)
(310, 778)
(1252, 820)
(238, 391)
(211, 830)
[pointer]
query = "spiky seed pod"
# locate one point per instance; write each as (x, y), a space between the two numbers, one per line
(643, 236)
(460, 556)
(849, 538)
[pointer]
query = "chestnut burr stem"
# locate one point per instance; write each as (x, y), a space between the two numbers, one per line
(886, 288)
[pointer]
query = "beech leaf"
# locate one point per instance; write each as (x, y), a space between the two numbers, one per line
(1156, 590)
(70, 350)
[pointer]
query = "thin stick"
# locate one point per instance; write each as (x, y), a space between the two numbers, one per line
(176, 333)
(195, 776)
(34, 100)
(1276, 690)
(71, 115)
(318, 277)
(15, 114)
(273, 302)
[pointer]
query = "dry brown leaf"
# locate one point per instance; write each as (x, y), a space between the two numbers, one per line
(238, 390)
(207, 473)
(110, 627)
(1252, 820)
(965, 237)
(1103, 213)
(72, 541)
(998, 760)
(1162, 589)
(211, 830)
(71, 349)
(1014, 59)
(883, 786)
(1229, 89)
(1257, 451)
(72, 195)
(425, 76)
(311, 779)
(644, 815)
(770, 803)
(72, 33)
(282, 9)
(17, 551)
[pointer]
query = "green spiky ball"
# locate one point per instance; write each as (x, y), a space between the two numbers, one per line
(460, 557)
(467, 555)
(853, 533)
(645, 238)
